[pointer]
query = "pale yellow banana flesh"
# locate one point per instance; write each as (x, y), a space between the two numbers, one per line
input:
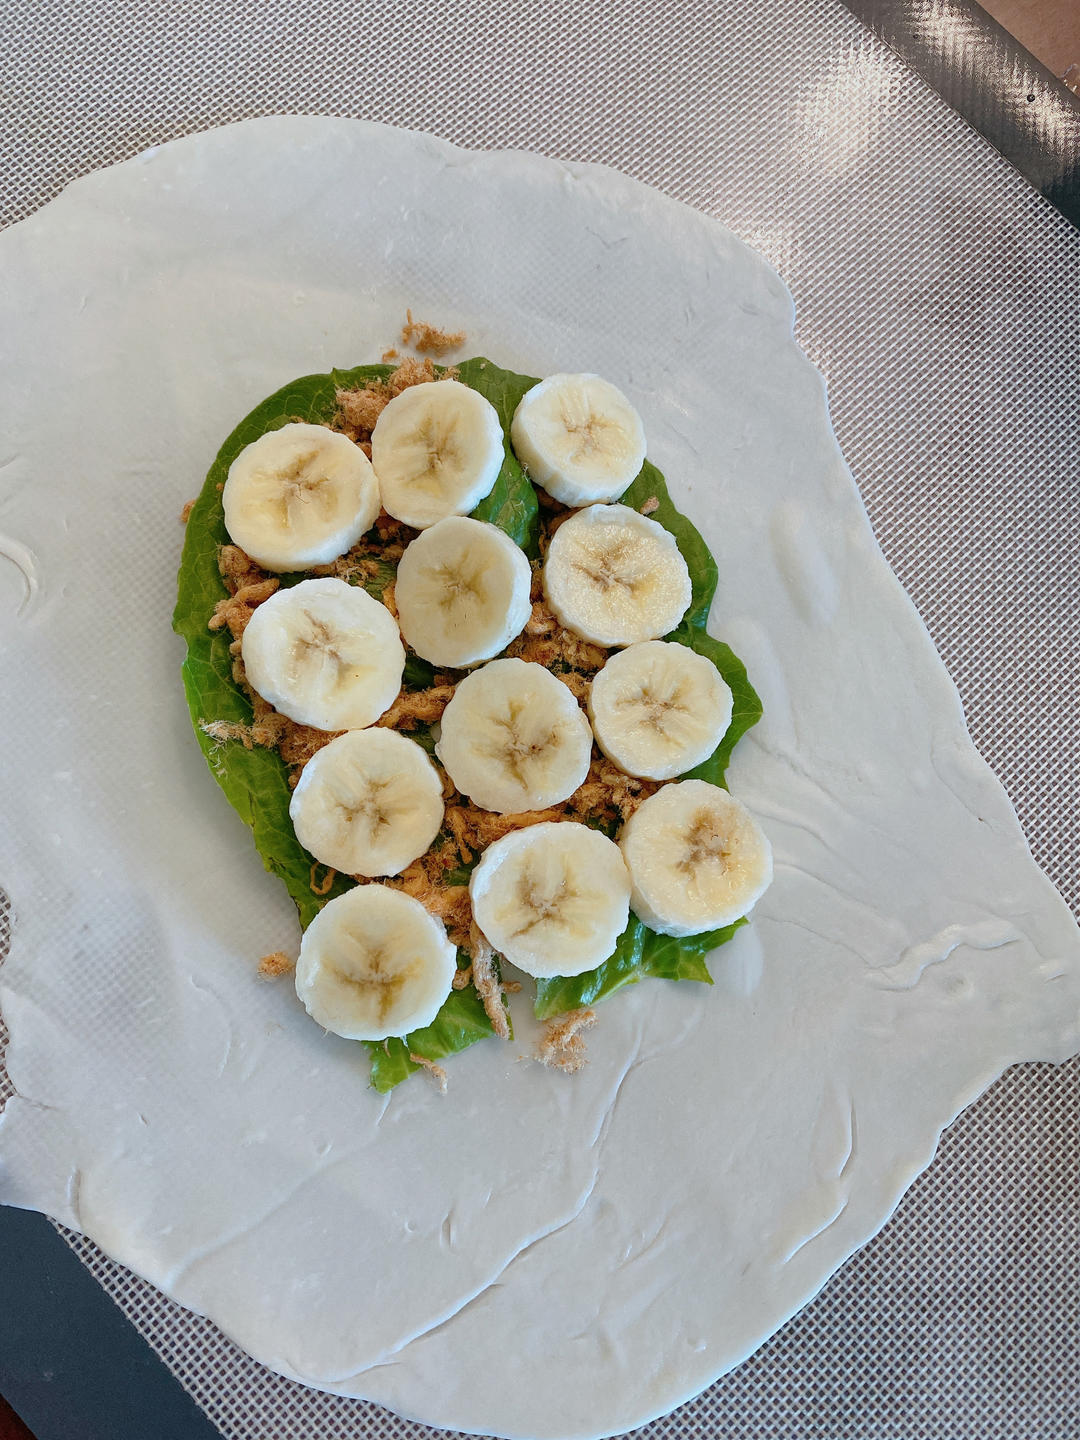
(697, 858)
(658, 709)
(462, 592)
(615, 577)
(299, 496)
(513, 738)
(325, 653)
(579, 438)
(373, 963)
(369, 803)
(553, 898)
(437, 450)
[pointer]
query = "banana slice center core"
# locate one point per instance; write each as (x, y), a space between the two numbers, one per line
(612, 567)
(322, 644)
(706, 844)
(659, 708)
(384, 978)
(457, 584)
(544, 907)
(300, 484)
(516, 748)
(441, 450)
(589, 430)
(368, 807)
(550, 901)
(319, 638)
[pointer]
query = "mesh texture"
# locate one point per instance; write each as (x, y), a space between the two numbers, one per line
(938, 293)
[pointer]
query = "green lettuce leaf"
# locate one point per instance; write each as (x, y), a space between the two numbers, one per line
(640, 952)
(255, 781)
(460, 1023)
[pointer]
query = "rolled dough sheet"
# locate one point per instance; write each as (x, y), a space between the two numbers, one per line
(534, 1254)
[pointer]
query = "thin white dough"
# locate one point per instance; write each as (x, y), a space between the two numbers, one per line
(716, 1160)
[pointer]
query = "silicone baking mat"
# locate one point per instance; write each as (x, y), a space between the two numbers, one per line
(939, 294)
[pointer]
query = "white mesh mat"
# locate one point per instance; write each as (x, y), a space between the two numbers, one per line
(939, 295)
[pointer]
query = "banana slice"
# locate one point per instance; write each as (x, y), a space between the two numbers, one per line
(369, 803)
(579, 437)
(513, 738)
(697, 858)
(658, 709)
(437, 450)
(325, 654)
(615, 577)
(462, 592)
(553, 899)
(299, 496)
(374, 963)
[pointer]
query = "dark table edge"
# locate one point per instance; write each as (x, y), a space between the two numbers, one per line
(978, 69)
(71, 1364)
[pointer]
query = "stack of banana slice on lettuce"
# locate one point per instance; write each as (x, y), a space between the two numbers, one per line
(457, 465)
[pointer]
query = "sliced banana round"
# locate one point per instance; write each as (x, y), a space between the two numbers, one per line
(462, 592)
(369, 803)
(437, 450)
(615, 577)
(373, 963)
(325, 654)
(513, 738)
(579, 437)
(697, 858)
(299, 496)
(658, 709)
(553, 898)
